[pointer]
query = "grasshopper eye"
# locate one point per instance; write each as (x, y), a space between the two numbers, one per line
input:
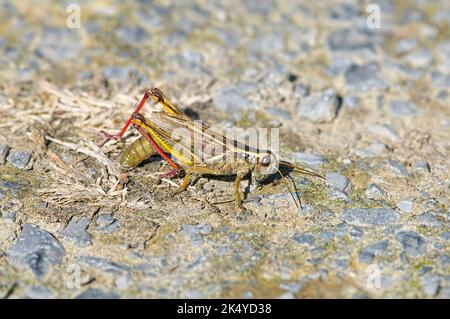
(265, 161)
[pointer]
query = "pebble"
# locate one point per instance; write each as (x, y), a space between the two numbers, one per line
(189, 230)
(366, 77)
(353, 40)
(96, 293)
(103, 264)
(374, 149)
(370, 216)
(132, 35)
(59, 44)
(430, 284)
(351, 102)
(429, 219)
(20, 159)
(384, 131)
(406, 205)
(402, 108)
(373, 191)
(37, 292)
(376, 249)
(398, 168)
(413, 244)
(233, 99)
(76, 231)
(338, 181)
(321, 107)
(307, 239)
(4, 150)
(107, 224)
(422, 166)
(336, 194)
(419, 59)
(313, 160)
(37, 249)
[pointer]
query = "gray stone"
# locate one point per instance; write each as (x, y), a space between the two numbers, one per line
(422, 166)
(384, 131)
(37, 292)
(10, 186)
(398, 168)
(37, 249)
(321, 107)
(430, 284)
(313, 160)
(413, 244)
(353, 40)
(280, 113)
(107, 224)
(307, 239)
(406, 205)
(119, 74)
(105, 265)
(268, 43)
(20, 159)
(233, 99)
(4, 150)
(372, 150)
(326, 236)
(366, 77)
(96, 293)
(76, 231)
(419, 59)
(373, 191)
(337, 194)
(59, 44)
(376, 249)
(370, 216)
(338, 181)
(351, 102)
(132, 35)
(190, 230)
(402, 108)
(343, 11)
(429, 219)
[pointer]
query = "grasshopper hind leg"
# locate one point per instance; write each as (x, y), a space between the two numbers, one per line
(237, 183)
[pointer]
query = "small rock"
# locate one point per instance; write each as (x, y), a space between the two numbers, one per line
(384, 131)
(413, 243)
(304, 239)
(422, 166)
(123, 282)
(398, 168)
(233, 99)
(59, 44)
(353, 40)
(105, 265)
(107, 224)
(370, 216)
(203, 229)
(133, 35)
(4, 150)
(373, 191)
(75, 231)
(37, 249)
(321, 107)
(403, 108)
(362, 78)
(430, 284)
(287, 295)
(95, 293)
(338, 181)
(428, 219)
(337, 194)
(351, 102)
(313, 160)
(37, 292)
(406, 205)
(372, 150)
(20, 159)
(326, 236)
(419, 59)
(280, 113)
(376, 249)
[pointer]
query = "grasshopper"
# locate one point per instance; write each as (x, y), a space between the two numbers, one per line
(157, 138)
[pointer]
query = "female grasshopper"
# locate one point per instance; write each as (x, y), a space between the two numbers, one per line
(230, 157)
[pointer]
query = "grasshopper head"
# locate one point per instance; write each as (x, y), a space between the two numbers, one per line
(266, 165)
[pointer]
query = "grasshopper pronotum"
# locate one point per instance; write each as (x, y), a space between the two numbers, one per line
(157, 138)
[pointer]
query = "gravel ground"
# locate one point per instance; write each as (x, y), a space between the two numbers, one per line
(367, 107)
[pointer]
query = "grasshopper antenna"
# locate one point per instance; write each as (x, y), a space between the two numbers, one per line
(301, 170)
(290, 192)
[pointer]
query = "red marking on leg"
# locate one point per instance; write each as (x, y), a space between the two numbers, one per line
(156, 147)
(138, 108)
